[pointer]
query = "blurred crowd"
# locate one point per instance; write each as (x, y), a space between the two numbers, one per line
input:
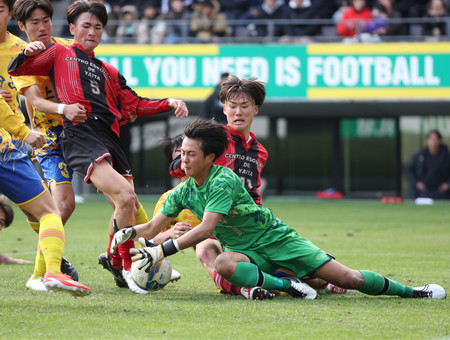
(211, 21)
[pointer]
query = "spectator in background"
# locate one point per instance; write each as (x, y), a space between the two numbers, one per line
(378, 25)
(6, 218)
(165, 5)
(412, 8)
(171, 27)
(428, 171)
(274, 10)
(436, 9)
(393, 28)
(245, 28)
(151, 12)
(128, 29)
(300, 10)
(111, 29)
(343, 5)
(234, 9)
(212, 108)
(353, 18)
(310, 9)
(207, 22)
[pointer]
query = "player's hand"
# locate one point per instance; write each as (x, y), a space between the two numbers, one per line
(180, 107)
(35, 139)
(34, 48)
(420, 186)
(120, 237)
(75, 113)
(132, 118)
(7, 95)
(20, 261)
(179, 229)
(443, 187)
(148, 255)
(33, 156)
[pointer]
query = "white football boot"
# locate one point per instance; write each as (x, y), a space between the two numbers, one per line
(36, 284)
(430, 291)
(131, 284)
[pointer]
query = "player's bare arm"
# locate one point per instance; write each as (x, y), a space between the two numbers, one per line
(181, 110)
(147, 230)
(201, 232)
(34, 48)
(176, 231)
(14, 125)
(153, 227)
(74, 112)
(151, 254)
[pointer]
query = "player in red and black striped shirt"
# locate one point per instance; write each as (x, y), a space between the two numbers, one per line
(244, 154)
(92, 148)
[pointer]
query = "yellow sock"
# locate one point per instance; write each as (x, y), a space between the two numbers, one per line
(141, 215)
(141, 218)
(51, 241)
(34, 226)
(39, 265)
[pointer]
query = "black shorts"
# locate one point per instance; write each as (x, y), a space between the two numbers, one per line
(85, 144)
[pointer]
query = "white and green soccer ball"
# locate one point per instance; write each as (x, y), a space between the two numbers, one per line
(157, 278)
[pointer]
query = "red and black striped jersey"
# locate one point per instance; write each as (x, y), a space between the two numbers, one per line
(78, 77)
(246, 158)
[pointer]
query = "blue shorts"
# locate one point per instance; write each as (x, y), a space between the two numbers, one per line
(19, 180)
(55, 168)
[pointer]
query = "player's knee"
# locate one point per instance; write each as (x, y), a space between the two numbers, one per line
(351, 279)
(66, 207)
(224, 266)
(206, 256)
(126, 199)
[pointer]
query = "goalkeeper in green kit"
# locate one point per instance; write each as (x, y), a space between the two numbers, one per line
(255, 243)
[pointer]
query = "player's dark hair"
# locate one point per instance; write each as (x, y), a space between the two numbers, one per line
(171, 144)
(212, 136)
(22, 9)
(252, 87)
(381, 8)
(10, 4)
(7, 210)
(79, 7)
(436, 132)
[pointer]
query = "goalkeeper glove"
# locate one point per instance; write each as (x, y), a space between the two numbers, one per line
(152, 254)
(122, 236)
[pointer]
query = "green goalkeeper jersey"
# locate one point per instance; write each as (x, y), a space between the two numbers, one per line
(243, 223)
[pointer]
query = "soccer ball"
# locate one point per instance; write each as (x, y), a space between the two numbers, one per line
(157, 278)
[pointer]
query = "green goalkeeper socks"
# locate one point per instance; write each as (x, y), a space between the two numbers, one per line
(376, 284)
(249, 275)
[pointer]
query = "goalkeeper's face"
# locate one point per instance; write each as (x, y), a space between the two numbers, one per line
(194, 162)
(240, 111)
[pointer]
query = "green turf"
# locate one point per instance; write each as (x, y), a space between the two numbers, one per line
(405, 242)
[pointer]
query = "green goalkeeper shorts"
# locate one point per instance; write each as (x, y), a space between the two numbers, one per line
(282, 247)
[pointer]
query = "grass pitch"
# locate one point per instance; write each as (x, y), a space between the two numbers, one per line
(405, 242)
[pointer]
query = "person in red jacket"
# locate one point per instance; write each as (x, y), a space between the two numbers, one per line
(353, 18)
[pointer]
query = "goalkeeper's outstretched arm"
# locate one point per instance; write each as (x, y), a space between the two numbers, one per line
(153, 254)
